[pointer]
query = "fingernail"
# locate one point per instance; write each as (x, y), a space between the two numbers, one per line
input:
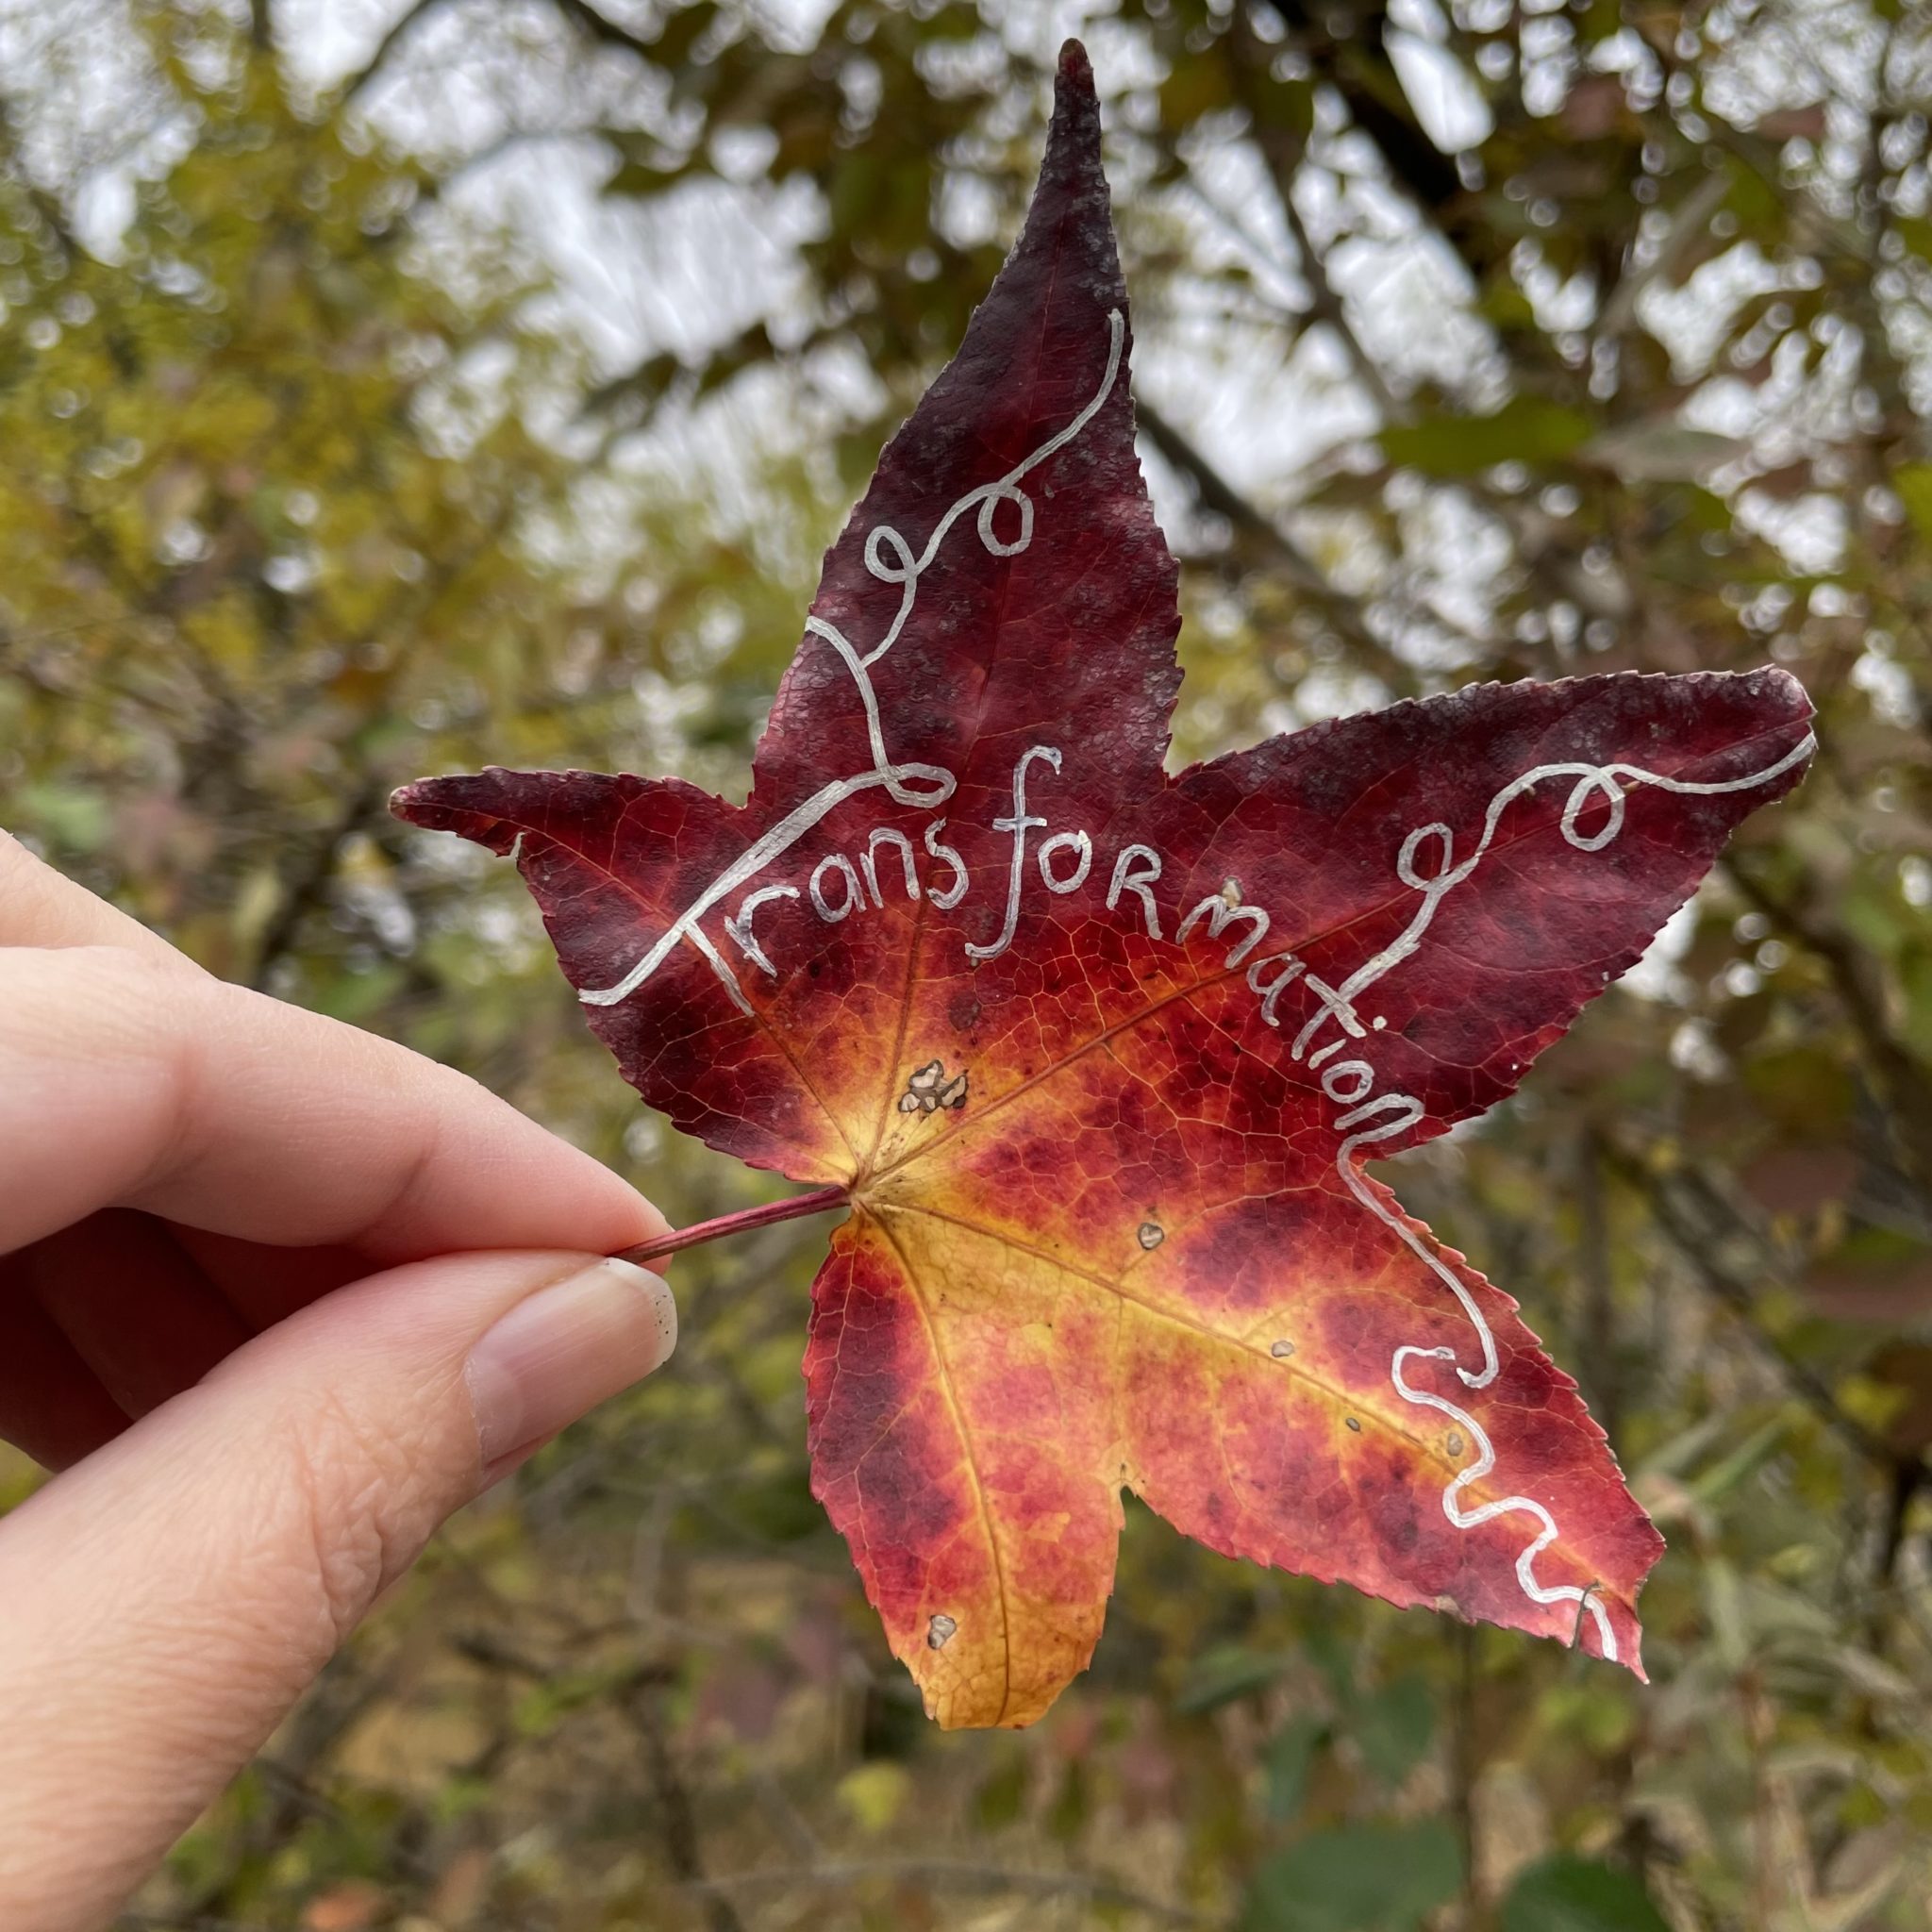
(557, 1355)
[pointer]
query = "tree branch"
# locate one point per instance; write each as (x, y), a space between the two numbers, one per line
(1897, 1081)
(1325, 304)
(399, 32)
(1597, 1329)
(1216, 493)
(1359, 70)
(1694, 1217)
(605, 33)
(303, 889)
(44, 205)
(585, 18)
(1281, 149)
(1273, 547)
(1688, 223)
(949, 1874)
(677, 1816)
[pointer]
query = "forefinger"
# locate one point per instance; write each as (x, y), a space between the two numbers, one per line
(40, 907)
(127, 1082)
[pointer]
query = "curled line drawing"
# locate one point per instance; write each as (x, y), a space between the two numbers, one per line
(938, 785)
(1405, 1111)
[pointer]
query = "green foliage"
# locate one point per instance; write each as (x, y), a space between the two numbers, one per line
(1224, 1674)
(1522, 430)
(1392, 1727)
(1357, 1878)
(1569, 1894)
(1289, 1759)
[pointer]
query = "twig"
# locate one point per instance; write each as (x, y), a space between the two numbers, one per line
(1907, 1478)
(1597, 1330)
(1464, 1766)
(1282, 149)
(1589, 1589)
(378, 59)
(345, 1693)
(1684, 1209)
(1366, 80)
(1898, 1082)
(1687, 224)
(956, 1875)
(678, 1817)
(605, 33)
(1325, 304)
(785, 1817)
(45, 205)
(170, 1922)
(1219, 495)
(303, 892)
(1274, 547)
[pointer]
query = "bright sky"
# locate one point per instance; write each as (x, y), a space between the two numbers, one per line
(694, 267)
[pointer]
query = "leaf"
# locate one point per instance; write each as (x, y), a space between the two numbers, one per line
(1526, 430)
(1744, 1461)
(1570, 1894)
(1290, 1757)
(1913, 482)
(1359, 1878)
(77, 819)
(874, 1795)
(1660, 450)
(1225, 1673)
(1394, 1728)
(1097, 1053)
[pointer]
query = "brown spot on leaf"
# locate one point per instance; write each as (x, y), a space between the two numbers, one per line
(928, 1089)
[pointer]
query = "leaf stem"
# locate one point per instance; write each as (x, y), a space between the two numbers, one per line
(819, 1201)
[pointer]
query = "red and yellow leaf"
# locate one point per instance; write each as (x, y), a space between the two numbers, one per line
(1098, 1053)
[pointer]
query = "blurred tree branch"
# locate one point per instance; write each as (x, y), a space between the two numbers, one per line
(1898, 1081)
(1272, 547)
(943, 1875)
(1698, 1223)
(385, 49)
(305, 880)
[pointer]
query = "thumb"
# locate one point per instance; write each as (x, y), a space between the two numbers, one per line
(163, 1604)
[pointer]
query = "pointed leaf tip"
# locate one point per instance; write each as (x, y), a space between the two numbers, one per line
(1072, 138)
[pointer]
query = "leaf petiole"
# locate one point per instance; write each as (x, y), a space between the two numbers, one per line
(819, 1201)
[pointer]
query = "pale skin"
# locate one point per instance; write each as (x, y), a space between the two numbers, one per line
(275, 1297)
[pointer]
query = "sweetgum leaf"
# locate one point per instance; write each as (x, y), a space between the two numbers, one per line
(1098, 1052)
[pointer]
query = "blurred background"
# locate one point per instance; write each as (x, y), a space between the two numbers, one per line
(387, 389)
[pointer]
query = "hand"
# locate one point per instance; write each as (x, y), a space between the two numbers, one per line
(276, 1296)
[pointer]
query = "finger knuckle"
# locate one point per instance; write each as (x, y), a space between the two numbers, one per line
(88, 1005)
